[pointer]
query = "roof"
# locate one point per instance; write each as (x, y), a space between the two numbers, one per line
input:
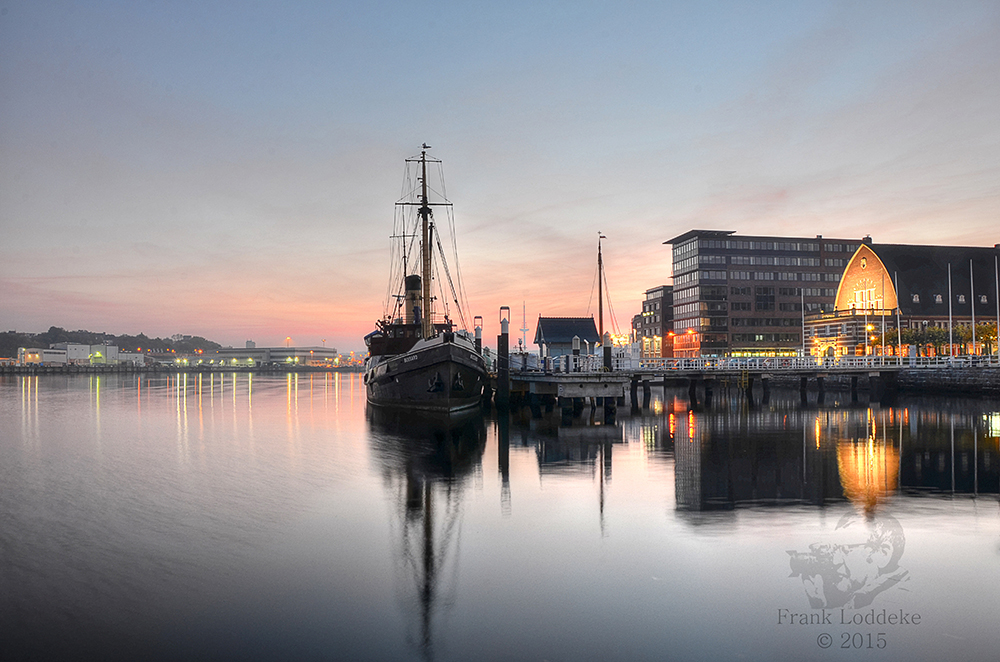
(923, 270)
(691, 234)
(562, 329)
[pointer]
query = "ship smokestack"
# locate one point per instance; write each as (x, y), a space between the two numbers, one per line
(412, 300)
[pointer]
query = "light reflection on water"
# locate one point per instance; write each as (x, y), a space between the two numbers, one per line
(245, 516)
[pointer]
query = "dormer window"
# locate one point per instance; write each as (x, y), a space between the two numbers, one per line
(982, 298)
(938, 298)
(916, 298)
(961, 298)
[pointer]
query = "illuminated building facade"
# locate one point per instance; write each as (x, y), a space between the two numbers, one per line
(739, 295)
(655, 332)
(910, 296)
(310, 356)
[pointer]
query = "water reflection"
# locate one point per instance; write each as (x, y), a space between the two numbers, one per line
(425, 463)
(787, 454)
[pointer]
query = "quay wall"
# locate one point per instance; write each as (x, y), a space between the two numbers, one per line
(978, 381)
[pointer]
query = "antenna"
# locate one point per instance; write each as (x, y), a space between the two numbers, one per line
(524, 325)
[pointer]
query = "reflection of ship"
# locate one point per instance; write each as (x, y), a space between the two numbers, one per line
(417, 362)
(425, 462)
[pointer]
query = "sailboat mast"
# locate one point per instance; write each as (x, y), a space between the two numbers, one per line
(600, 290)
(425, 248)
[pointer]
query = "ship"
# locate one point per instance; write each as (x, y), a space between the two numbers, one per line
(417, 358)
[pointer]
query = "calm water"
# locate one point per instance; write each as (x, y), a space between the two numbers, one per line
(262, 517)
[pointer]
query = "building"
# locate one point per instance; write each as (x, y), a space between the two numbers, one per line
(746, 295)
(554, 335)
(655, 333)
(67, 353)
(253, 355)
(910, 295)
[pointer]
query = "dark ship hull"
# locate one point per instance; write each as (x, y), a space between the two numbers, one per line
(441, 374)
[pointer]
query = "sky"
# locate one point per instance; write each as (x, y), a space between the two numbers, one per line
(229, 169)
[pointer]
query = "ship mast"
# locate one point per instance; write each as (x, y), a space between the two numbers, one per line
(600, 289)
(427, 325)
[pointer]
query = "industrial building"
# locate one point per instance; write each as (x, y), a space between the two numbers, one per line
(253, 355)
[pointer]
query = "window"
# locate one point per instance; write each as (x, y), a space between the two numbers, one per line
(916, 298)
(961, 298)
(982, 298)
(938, 298)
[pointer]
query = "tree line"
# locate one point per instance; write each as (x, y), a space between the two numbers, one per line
(925, 337)
(10, 341)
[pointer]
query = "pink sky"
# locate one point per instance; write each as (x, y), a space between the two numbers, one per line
(231, 173)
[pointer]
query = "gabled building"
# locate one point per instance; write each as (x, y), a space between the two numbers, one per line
(923, 288)
(554, 335)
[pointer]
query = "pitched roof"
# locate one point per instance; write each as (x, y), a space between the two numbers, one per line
(562, 329)
(923, 271)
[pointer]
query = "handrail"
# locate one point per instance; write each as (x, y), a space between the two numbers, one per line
(592, 363)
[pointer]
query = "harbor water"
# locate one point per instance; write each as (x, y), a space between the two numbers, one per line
(254, 517)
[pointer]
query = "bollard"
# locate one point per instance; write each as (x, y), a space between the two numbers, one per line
(503, 360)
(477, 323)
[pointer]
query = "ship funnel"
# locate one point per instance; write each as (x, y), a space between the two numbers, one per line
(412, 300)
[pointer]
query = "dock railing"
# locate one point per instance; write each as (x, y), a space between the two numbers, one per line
(800, 364)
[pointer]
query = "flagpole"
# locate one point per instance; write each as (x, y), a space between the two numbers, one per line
(972, 291)
(951, 347)
(899, 333)
(883, 314)
(802, 299)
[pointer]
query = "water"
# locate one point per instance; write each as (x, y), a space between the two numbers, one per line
(253, 517)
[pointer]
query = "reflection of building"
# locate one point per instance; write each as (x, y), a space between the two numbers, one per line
(929, 289)
(728, 459)
(724, 460)
(655, 333)
(743, 296)
(554, 335)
